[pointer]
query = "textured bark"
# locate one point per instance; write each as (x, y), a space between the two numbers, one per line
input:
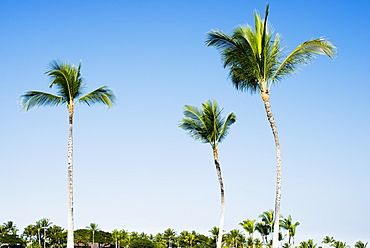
(275, 236)
(222, 215)
(70, 238)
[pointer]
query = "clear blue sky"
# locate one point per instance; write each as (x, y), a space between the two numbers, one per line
(134, 168)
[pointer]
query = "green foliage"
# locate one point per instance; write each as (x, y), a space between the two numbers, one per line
(255, 57)
(207, 124)
(138, 242)
(70, 85)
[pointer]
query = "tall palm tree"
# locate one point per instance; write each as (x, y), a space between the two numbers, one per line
(93, 227)
(208, 126)
(67, 79)
(255, 59)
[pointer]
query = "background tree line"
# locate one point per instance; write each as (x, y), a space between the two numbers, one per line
(253, 234)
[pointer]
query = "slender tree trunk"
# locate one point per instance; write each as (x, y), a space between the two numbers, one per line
(222, 216)
(39, 234)
(275, 236)
(70, 238)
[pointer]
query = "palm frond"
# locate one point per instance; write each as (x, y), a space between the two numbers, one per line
(237, 54)
(66, 78)
(102, 95)
(230, 119)
(303, 55)
(194, 124)
(31, 99)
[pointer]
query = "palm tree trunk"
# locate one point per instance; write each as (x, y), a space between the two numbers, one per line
(39, 234)
(70, 240)
(222, 216)
(275, 236)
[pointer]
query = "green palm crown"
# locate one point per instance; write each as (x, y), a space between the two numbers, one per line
(207, 124)
(67, 79)
(255, 57)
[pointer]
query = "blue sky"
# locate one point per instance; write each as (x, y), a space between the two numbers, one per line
(134, 168)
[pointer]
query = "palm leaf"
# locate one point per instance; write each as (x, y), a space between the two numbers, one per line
(66, 78)
(101, 95)
(31, 99)
(303, 55)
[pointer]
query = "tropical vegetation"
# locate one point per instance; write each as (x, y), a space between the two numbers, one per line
(249, 236)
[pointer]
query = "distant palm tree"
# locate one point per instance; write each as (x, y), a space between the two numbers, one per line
(264, 230)
(360, 244)
(287, 224)
(170, 235)
(250, 227)
(255, 59)
(339, 244)
(10, 228)
(328, 240)
(67, 79)
(93, 227)
(208, 126)
(235, 238)
(307, 244)
(116, 235)
(267, 217)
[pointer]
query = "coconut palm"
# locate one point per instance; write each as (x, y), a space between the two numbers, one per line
(256, 62)
(67, 79)
(93, 227)
(208, 126)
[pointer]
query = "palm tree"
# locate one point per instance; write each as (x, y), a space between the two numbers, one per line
(255, 59)
(208, 126)
(250, 227)
(44, 224)
(328, 240)
(267, 218)
(360, 244)
(67, 79)
(56, 236)
(169, 234)
(264, 230)
(339, 244)
(93, 227)
(116, 235)
(235, 238)
(214, 232)
(287, 224)
(10, 228)
(307, 244)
